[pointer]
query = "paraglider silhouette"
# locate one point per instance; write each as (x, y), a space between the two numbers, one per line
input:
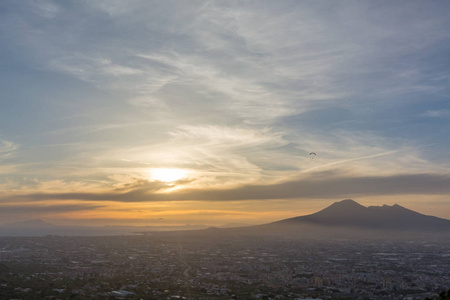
(313, 154)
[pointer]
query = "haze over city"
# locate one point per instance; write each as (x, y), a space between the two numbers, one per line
(166, 113)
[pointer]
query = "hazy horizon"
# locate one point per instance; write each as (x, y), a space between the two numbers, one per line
(30, 223)
(165, 113)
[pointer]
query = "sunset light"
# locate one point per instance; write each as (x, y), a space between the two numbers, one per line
(112, 111)
(167, 175)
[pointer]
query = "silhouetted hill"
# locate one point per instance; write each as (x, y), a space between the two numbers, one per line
(29, 223)
(348, 213)
(342, 220)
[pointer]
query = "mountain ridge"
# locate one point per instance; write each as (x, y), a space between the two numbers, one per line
(349, 213)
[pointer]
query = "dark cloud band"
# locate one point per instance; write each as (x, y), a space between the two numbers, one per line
(312, 187)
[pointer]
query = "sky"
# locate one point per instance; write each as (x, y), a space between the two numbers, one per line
(167, 113)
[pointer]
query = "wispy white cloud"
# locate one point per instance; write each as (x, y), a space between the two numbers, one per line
(45, 8)
(7, 149)
(228, 136)
(437, 113)
(92, 69)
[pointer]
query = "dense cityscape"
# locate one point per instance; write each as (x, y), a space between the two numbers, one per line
(189, 266)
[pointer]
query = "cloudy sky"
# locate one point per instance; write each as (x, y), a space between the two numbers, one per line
(206, 112)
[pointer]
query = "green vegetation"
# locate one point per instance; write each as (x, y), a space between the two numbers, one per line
(442, 296)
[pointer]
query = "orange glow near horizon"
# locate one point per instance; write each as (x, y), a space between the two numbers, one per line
(173, 213)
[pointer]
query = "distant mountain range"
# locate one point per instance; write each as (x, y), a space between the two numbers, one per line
(343, 218)
(348, 213)
(348, 219)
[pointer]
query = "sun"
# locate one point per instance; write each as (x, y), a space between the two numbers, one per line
(167, 175)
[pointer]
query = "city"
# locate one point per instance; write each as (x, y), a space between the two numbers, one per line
(215, 266)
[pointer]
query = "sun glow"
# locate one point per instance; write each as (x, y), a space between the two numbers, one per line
(167, 175)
